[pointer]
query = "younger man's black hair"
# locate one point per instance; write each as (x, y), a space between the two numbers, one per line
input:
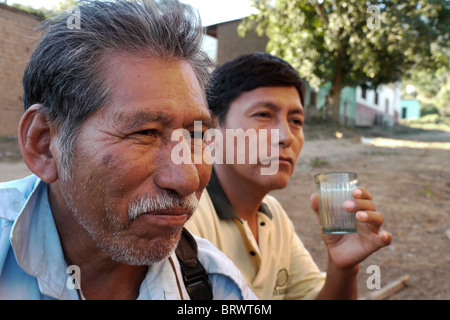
(246, 73)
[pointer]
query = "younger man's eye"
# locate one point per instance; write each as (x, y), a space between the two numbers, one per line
(262, 114)
(297, 122)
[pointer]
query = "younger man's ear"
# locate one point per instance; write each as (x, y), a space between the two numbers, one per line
(35, 139)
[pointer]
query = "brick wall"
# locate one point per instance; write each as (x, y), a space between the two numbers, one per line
(230, 45)
(17, 36)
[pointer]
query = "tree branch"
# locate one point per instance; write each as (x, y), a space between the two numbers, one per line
(320, 12)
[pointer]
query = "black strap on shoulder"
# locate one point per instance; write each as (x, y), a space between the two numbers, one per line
(195, 276)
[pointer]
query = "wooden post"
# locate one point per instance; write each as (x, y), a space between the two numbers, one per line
(390, 289)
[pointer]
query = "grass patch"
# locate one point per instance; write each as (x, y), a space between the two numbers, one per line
(318, 162)
(426, 192)
(429, 122)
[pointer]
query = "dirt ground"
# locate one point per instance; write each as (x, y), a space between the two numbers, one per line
(408, 173)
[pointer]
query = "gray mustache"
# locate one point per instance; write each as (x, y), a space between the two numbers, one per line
(163, 201)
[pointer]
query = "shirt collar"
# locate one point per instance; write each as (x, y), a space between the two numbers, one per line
(221, 203)
(37, 246)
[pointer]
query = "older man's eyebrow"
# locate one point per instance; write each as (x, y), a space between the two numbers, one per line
(140, 118)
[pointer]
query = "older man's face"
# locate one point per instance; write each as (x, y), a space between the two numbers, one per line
(122, 166)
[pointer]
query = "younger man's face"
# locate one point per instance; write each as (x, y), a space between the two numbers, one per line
(267, 110)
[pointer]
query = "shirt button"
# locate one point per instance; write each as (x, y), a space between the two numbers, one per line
(16, 206)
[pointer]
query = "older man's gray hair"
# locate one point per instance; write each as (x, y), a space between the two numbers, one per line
(66, 71)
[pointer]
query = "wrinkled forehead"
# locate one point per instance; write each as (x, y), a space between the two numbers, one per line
(148, 89)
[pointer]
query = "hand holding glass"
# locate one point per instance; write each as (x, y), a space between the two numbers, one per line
(333, 189)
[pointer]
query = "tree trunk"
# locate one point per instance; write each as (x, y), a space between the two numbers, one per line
(335, 90)
(335, 104)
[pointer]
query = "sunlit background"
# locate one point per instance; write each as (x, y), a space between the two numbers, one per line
(211, 11)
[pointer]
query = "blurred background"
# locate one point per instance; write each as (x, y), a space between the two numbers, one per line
(377, 102)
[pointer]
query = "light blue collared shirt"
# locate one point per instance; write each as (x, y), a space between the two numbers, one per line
(32, 264)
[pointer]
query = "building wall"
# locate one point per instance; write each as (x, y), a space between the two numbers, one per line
(230, 45)
(409, 109)
(16, 44)
(360, 111)
(347, 106)
(365, 115)
(385, 111)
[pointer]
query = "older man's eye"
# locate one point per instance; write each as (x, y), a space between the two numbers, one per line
(198, 135)
(147, 132)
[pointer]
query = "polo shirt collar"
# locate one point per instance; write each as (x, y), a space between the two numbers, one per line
(221, 203)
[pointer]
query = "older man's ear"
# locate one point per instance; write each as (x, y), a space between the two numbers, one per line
(35, 141)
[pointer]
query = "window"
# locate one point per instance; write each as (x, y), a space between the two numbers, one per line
(376, 98)
(363, 93)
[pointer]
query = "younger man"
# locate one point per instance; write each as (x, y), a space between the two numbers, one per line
(264, 93)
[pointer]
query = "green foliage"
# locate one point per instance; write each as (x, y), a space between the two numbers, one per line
(63, 5)
(346, 43)
(433, 89)
(42, 11)
(428, 109)
(429, 122)
(426, 192)
(318, 162)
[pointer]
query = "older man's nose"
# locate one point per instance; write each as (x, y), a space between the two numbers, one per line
(179, 176)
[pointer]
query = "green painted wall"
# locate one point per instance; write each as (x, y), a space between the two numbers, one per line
(348, 95)
(409, 109)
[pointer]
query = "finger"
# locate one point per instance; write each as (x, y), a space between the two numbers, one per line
(359, 205)
(361, 193)
(382, 239)
(375, 219)
(385, 237)
(314, 202)
(373, 222)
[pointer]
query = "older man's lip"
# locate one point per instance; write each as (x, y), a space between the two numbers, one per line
(171, 218)
(170, 212)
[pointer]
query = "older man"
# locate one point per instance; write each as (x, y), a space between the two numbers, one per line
(103, 213)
